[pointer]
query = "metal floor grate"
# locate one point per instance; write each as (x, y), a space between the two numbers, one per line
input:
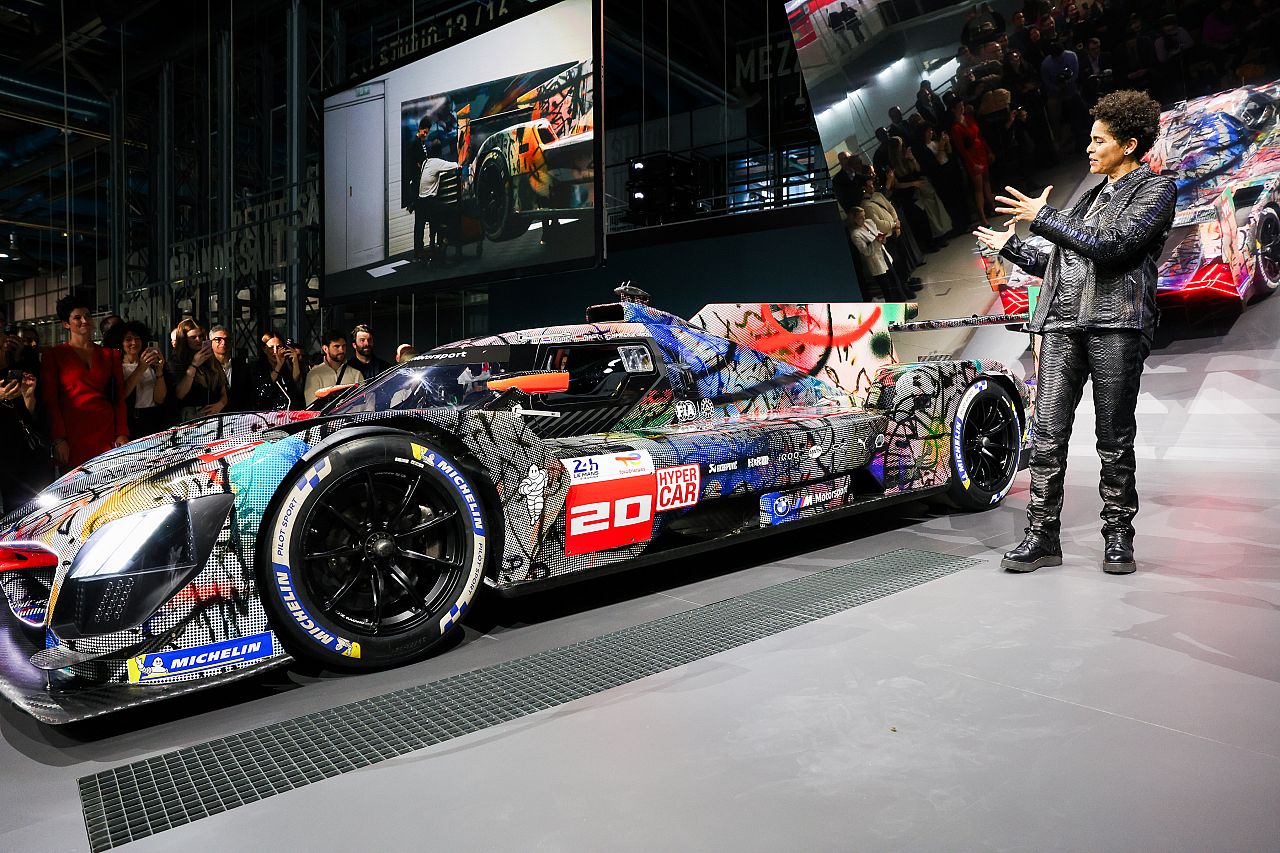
(150, 796)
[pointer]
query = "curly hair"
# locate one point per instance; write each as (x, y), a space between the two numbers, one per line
(73, 300)
(1130, 115)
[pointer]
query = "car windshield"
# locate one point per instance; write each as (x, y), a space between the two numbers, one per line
(457, 378)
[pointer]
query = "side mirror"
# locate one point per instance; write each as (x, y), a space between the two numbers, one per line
(532, 383)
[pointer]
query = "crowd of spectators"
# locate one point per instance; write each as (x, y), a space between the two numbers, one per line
(65, 405)
(1020, 101)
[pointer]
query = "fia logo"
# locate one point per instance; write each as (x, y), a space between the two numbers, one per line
(686, 411)
(585, 467)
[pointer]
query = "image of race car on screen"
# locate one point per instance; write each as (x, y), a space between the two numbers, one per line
(1223, 252)
(516, 156)
(358, 536)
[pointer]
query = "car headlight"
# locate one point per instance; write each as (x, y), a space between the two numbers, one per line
(131, 544)
(131, 566)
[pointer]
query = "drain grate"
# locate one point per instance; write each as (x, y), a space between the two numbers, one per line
(150, 796)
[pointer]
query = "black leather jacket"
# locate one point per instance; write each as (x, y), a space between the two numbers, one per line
(1114, 260)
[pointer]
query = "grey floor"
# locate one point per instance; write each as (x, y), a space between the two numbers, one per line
(1063, 710)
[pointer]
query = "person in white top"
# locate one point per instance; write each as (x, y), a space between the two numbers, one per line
(428, 209)
(144, 385)
(869, 241)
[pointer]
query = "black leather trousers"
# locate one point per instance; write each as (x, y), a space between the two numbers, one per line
(1113, 360)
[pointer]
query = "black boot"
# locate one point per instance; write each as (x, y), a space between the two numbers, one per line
(1117, 552)
(1036, 550)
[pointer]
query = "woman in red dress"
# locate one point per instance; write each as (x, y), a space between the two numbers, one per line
(975, 155)
(83, 390)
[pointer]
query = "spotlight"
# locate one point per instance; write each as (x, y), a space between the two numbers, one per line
(638, 196)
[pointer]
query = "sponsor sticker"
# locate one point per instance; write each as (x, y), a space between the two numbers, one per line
(678, 487)
(781, 507)
(608, 514)
(722, 467)
(612, 512)
(160, 666)
(608, 466)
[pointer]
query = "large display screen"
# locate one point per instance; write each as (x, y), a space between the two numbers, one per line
(475, 162)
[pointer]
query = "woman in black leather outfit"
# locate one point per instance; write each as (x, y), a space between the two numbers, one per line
(1096, 315)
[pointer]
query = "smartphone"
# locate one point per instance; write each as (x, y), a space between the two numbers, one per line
(13, 376)
(206, 344)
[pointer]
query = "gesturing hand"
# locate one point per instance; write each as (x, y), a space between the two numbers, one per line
(994, 240)
(1020, 206)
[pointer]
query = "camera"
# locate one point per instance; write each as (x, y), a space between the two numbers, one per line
(13, 376)
(290, 344)
(1066, 75)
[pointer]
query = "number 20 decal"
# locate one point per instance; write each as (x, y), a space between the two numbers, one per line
(600, 516)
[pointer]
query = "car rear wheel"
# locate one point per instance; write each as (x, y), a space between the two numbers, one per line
(495, 198)
(375, 552)
(1267, 268)
(986, 443)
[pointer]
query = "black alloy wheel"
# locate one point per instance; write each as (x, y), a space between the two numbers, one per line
(1268, 240)
(985, 461)
(373, 552)
(493, 195)
(383, 549)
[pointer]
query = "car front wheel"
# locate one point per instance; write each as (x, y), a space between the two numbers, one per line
(375, 552)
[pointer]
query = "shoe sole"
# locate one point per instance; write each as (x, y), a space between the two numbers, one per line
(1119, 568)
(1017, 566)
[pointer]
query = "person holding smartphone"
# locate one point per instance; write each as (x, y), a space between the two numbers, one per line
(24, 450)
(145, 388)
(195, 376)
(277, 377)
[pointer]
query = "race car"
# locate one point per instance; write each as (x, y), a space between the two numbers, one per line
(1223, 152)
(358, 536)
(535, 161)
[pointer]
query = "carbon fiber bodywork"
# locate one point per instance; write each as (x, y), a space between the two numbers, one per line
(746, 419)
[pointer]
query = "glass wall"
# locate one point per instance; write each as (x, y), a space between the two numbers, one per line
(715, 87)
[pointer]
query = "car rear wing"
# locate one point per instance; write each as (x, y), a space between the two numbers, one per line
(960, 322)
(843, 343)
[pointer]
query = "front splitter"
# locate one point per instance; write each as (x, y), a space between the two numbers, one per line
(27, 687)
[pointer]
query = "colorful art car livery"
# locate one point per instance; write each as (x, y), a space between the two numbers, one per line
(359, 536)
